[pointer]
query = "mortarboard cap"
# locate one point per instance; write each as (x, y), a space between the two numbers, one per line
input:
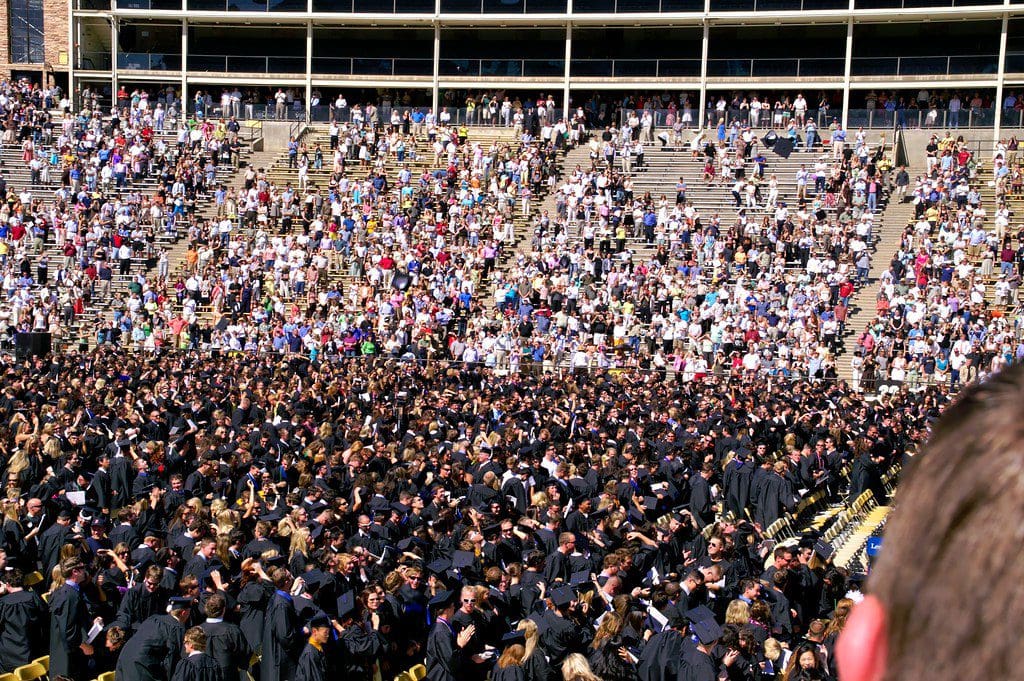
(313, 579)
(599, 515)
(581, 577)
(400, 507)
(491, 530)
(439, 566)
(463, 559)
(346, 604)
(319, 621)
(442, 600)
(562, 596)
(512, 638)
(676, 619)
(651, 503)
(824, 549)
(700, 613)
(273, 516)
(707, 631)
(276, 561)
(179, 602)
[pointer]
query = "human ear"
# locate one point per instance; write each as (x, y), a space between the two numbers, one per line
(863, 647)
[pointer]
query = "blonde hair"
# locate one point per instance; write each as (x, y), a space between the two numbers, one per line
(738, 612)
(529, 629)
(576, 668)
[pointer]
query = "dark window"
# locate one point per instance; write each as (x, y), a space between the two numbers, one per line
(26, 24)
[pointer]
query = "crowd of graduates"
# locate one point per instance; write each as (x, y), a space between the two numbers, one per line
(360, 517)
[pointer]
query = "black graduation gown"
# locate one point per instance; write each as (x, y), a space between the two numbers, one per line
(444, 657)
(312, 664)
(513, 672)
(537, 668)
(252, 602)
(138, 605)
(281, 640)
(199, 667)
(226, 643)
(22, 629)
(736, 482)
(50, 543)
(561, 637)
(152, 653)
(662, 657)
(361, 648)
(774, 497)
(697, 666)
(69, 624)
(700, 501)
(557, 566)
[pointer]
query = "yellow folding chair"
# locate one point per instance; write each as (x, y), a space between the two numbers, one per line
(30, 672)
(404, 676)
(418, 672)
(106, 676)
(8, 677)
(44, 661)
(31, 579)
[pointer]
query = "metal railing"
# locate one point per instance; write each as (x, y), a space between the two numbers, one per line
(375, 6)
(503, 6)
(372, 66)
(93, 61)
(246, 5)
(249, 64)
(769, 68)
(142, 61)
(503, 68)
(626, 68)
(936, 65)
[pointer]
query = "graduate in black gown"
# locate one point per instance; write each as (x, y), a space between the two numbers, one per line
(509, 666)
(225, 641)
(282, 632)
(24, 620)
(445, 660)
(698, 662)
(662, 657)
(313, 662)
(197, 665)
(69, 623)
(152, 653)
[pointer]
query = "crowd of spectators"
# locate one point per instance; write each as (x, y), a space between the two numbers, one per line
(947, 307)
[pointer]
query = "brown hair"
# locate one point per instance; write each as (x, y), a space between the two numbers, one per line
(973, 465)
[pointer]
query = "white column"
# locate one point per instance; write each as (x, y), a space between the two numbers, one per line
(182, 107)
(702, 103)
(568, 66)
(847, 69)
(1001, 73)
(113, 60)
(74, 29)
(309, 69)
(435, 88)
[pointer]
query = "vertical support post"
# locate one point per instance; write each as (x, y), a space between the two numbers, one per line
(847, 69)
(309, 70)
(1001, 74)
(702, 103)
(435, 88)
